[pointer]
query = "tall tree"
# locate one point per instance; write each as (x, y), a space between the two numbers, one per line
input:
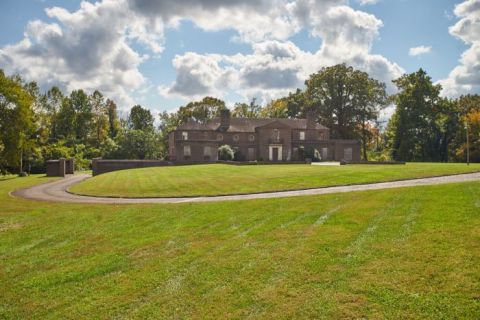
(80, 103)
(414, 125)
(65, 120)
(370, 95)
(16, 120)
(344, 99)
(99, 118)
(140, 119)
(52, 101)
(113, 122)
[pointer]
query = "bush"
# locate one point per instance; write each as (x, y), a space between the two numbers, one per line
(226, 153)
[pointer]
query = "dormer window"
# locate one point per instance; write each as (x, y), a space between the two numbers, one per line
(184, 135)
(302, 135)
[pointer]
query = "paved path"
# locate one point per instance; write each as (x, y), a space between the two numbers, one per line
(56, 191)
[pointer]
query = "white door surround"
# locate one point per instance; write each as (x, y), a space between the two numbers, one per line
(270, 152)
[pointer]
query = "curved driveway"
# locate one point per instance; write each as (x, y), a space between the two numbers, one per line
(56, 191)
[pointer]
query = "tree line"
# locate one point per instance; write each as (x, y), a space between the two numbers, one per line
(36, 126)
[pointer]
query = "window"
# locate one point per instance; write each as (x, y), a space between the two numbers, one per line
(220, 137)
(236, 137)
(251, 154)
(276, 134)
(186, 151)
(251, 137)
(324, 153)
(184, 135)
(207, 151)
(347, 154)
(302, 135)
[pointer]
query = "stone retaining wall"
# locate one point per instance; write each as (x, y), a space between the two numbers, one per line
(100, 166)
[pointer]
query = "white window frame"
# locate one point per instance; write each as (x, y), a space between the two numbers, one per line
(184, 135)
(251, 137)
(301, 135)
(236, 137)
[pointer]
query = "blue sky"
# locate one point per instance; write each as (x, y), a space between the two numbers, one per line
(163, 55)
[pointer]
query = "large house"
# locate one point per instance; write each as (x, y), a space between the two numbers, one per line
(259, 139)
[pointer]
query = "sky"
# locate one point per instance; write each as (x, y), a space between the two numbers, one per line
(162, 54)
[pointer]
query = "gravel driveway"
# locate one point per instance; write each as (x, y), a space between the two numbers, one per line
(56, 191)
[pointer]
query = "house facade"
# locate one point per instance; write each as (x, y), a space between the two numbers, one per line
(253, 139)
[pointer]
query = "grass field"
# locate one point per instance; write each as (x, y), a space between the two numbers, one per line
(220, 179)
(400, 253)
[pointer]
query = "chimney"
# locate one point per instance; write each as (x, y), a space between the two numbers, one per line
(224, 119)
(311, 119)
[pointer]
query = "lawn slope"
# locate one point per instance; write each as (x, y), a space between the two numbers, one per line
(220, 179)
(400, 253)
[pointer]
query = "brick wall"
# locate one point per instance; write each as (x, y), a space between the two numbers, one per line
(100, 166)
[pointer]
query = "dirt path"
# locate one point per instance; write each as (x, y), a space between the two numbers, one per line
(56, 191)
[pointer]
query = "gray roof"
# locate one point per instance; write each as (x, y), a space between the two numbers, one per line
(247, 124)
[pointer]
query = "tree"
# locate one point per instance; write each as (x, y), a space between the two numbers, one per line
(139, 144)
(52, 101)
(201, 111)
(99, 118)
(415, 126)
(296, 104)
(113, 122)
(345, 99)
(275, 109)
(468, 107)
(369, 98)
(65, 120)
(244, 110)
(16, 120)
(140, 119)
(80, 104)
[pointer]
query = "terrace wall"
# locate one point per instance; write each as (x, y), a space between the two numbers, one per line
(100, 166)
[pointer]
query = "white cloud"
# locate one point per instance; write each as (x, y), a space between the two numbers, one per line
(367, 2)
(465, 78)
(420, 50)
(91, 48)
(85, 49)
(275, 67)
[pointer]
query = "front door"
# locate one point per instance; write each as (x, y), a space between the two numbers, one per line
(274, 154)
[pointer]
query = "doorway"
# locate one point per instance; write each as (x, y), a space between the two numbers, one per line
(274, 154)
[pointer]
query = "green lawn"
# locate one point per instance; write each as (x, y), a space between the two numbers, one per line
(399, 253)
(220, 179)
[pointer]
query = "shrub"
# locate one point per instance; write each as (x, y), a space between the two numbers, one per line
(226, 153)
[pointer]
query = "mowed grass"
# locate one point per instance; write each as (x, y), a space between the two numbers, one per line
(221, 179)
(400, 253)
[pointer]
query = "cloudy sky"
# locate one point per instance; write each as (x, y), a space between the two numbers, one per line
(163, 53)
